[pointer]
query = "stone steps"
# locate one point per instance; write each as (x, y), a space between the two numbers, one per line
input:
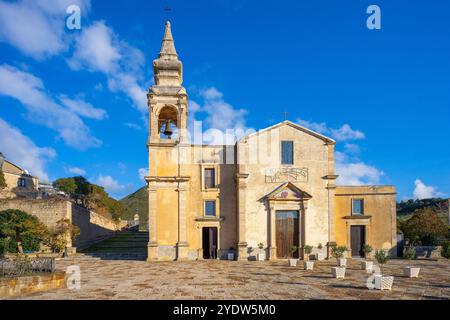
(123, 246)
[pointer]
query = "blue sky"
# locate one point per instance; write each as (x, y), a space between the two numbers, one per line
(73, 101)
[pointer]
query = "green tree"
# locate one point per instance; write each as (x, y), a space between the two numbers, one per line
(66, 185)
(424, 228)
(60, 234)
(19, 227)
(3, 184)
(445, 251)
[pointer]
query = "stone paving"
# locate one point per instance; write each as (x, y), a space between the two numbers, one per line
(229, 280)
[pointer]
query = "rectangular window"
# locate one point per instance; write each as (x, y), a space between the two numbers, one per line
(210, 208)
(357, 206)
(287, 152)
(22, 183)
(210, 178)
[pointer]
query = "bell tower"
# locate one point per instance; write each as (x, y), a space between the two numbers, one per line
(167, 183)
(167, 98)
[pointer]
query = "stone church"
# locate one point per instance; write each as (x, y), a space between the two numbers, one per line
(271, 192)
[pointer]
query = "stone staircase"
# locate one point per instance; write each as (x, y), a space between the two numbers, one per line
(126, 245)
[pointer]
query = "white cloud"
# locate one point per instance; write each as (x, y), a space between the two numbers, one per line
(42, 109)
(99, 49)
(110, 185)
(20, 150)
(77, 171)
(357, 173)
(83, 108)
(343, 133)
(37, 27)
(223, 123)
(422, 191)
(132, 126)
(143, 172)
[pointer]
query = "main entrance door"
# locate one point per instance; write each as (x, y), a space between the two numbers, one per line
(287, 233)
(357, 240)
(209, 242)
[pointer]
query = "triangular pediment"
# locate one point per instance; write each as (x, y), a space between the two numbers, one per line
(288, 191)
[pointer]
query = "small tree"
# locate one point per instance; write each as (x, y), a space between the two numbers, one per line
(445, 251)
(60, 234)
(15, 225)
(409, 252)
(424, 228)
(382, 258)
(308, 250)
(338, 251)
(3, 184)
(294, 249)
(367, 249)
(261, 246)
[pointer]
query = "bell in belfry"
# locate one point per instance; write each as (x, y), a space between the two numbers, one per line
(168, 131)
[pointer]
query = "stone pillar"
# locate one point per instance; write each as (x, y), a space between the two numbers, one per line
(242, 240)
(182, 245)
(272, 235)
(152, 247)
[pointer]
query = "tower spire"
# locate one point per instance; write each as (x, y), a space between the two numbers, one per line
(168, 50)
(168, 70)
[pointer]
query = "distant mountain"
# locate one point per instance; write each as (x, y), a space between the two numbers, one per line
(410, 206)
(136, 202)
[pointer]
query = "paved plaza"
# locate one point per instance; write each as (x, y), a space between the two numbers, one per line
(228, 280)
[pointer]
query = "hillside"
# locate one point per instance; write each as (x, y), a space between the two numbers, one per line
(405, 209)
(136, 202)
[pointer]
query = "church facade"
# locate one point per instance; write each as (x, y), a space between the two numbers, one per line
(270, 194)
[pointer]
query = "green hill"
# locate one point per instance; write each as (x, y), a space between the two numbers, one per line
(136, 202)
(405, 209)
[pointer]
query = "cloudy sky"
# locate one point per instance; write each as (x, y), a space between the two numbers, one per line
(73, 102)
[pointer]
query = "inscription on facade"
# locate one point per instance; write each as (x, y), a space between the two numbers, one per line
(283, 174)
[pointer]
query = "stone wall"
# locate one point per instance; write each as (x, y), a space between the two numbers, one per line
(93, 227)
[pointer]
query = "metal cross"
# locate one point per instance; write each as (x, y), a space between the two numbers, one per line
(285, 115)
(168, 10)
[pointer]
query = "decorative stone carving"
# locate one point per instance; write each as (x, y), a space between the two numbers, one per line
(283, 174)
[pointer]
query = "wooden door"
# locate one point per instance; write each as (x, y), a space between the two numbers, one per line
(287, 233)
(357, 240)
(209, 243)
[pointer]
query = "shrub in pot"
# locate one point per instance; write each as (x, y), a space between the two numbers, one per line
(309, 265)
(308, 250)
(338, 253)
(367, 264)
(261, 254)
(409, 253)
(293, 261)
(319, 255)
(382, 282)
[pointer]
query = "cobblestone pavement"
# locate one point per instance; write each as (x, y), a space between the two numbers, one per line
(228, 280)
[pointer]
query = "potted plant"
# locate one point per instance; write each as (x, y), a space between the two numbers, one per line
(338, 253)
(409, 253)
(367, 264)
(382, 282)
(230, 254)
(293, 261)
(261, 254)
(319, 254)
(308, 250)
(309, 265)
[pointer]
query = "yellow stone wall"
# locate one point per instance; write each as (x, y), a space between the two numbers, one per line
(379, 204)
